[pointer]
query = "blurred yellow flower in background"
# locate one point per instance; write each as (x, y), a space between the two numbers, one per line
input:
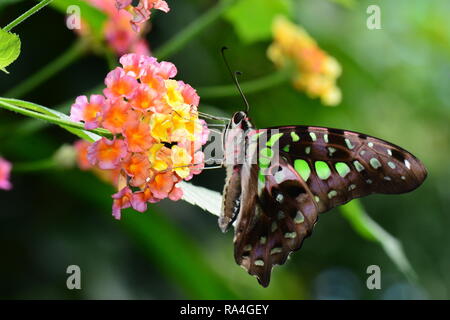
(316, 72)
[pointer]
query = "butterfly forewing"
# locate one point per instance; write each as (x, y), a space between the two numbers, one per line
(340, 165)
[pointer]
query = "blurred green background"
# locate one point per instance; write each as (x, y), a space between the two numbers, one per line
(395, 86)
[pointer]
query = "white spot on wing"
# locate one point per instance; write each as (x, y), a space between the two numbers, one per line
(407, 164)
(259, 263)
(279, 198)
(290, 235)
(276, 250)
(349, 144)
(332, 194)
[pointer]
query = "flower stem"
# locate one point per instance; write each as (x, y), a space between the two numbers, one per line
(248, 87)
(27, 14)
(45, 164)
(67, 58)
(192, 30)
(32, 110)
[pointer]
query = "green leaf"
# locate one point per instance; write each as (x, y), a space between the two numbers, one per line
(40, 112)
(9, 48)
(92, 16)
(256, 26)
(363, 224)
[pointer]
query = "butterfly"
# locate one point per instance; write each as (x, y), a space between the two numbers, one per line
(280, 179)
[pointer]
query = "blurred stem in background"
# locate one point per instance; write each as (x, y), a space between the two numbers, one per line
(67, 58)
(27, 14)
(34, 166)
(192, 30)
(248, 87)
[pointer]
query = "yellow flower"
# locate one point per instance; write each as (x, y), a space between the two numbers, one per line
(185, 123)
(161, 126)
(180, 161)
(173, 97)
(156, 160)
(316, 71)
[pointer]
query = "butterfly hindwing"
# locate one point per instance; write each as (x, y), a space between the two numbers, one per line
(274, 219)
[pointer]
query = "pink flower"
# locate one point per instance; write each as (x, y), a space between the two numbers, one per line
(119, 84)
(141, 47)
(166, 70)
(141, 13)
(144, 98)
(107, 153)
(122, 4)
(134, 65)
(5, 171)
(176, 194)
(190, 95)
(118, 31)
(122, 200)
(88, 111)
(116, 114)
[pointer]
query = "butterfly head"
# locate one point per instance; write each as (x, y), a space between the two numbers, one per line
(240, 120)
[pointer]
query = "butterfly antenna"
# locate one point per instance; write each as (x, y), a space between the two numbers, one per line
(235, 79)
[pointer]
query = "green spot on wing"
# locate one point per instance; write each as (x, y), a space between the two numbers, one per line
(264, 162)
(286, 148)
(375, 163)
(323, 170)
(265, 157)
(342, 168)
(302, 167)
(261, 176)
(266, 152)
(294, 137)
(273, 139)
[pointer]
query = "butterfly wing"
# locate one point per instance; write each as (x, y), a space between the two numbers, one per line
(340, 165)
(298, 172)
(274, 219)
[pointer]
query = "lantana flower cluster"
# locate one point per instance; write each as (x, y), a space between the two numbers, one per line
(5, 171)
(157, 133)
(141, 13)
(317, 72)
